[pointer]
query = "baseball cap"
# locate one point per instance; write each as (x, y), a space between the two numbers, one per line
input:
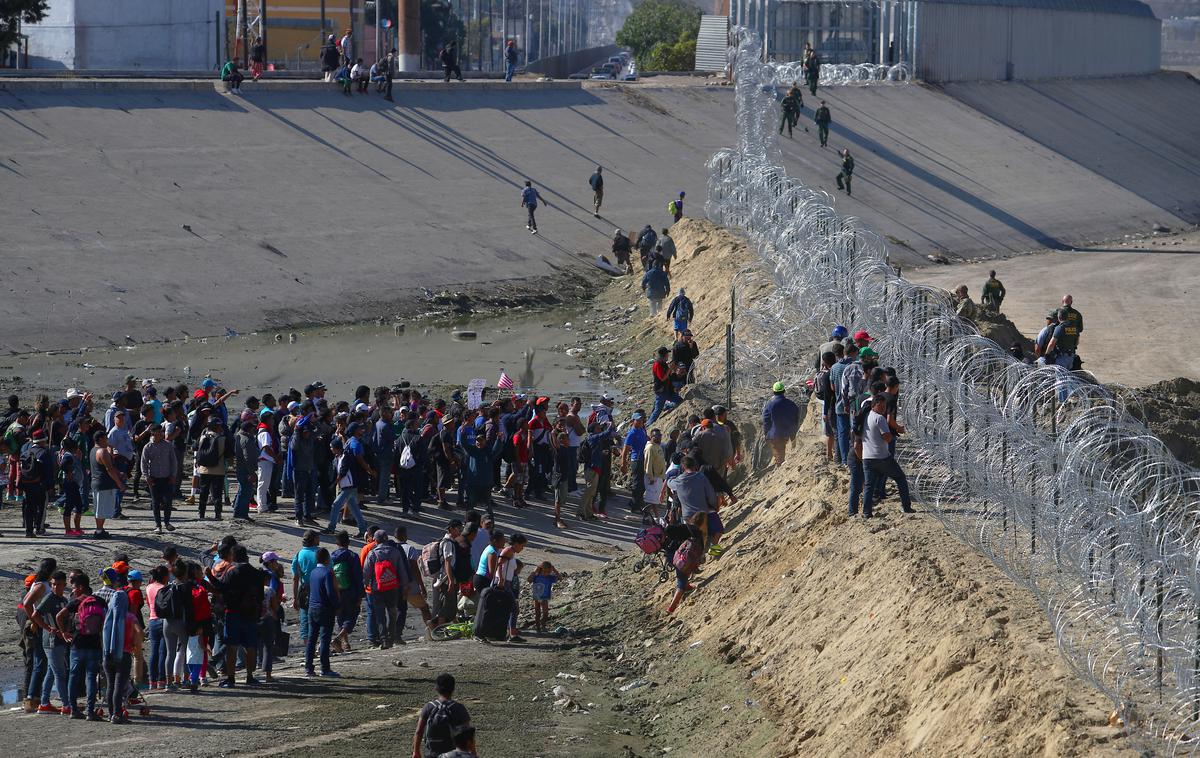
(1052, 314)
(606, 398)
(73, 392)
(308, 388)
(862, 334)
(121, 567)
(867, 352)
(110, 576)
(293, 405)
(118, 395)
(130, 378)
(269, 557)
(719, 409)
(638, 416)
(208, 383)
(265, 412)
(353, 428)
(135, 576)
(38, 434)
(777, 387)
(319, 385)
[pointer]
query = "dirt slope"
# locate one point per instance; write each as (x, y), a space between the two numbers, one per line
(888, 638)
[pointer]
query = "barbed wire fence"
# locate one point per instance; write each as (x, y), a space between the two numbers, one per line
(1046, 474)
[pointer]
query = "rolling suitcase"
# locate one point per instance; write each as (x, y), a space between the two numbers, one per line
(491, 618)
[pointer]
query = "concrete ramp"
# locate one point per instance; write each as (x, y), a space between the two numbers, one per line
(155, 209)
(1141, 133)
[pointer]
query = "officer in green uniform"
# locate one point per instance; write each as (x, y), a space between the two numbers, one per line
(822, 118)
(993, 293)
(843, 179)
(791, 111)
(812, 71)
(1074, 316)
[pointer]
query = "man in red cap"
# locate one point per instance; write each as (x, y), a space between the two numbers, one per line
(35, 478)
(862, 339)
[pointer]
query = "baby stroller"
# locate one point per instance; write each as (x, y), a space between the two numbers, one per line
(658, 544)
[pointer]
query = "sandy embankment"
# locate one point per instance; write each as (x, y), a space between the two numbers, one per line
(883, 638)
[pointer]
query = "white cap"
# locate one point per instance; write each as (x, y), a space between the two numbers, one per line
(73, 393)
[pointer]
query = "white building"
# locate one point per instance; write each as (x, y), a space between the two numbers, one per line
(129, 35)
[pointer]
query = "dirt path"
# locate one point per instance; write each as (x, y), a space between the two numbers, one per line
(1137, 299)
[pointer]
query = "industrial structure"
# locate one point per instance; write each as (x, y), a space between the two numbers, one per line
(963, 40)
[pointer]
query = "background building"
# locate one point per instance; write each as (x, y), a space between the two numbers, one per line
(964, 40)
(151, 35)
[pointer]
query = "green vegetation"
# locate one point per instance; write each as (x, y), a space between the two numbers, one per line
(662, 35)
(13, 13)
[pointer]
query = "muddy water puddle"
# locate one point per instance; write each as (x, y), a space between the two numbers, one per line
(529, 347)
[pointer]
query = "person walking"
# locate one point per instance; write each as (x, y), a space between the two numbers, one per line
(812, 70)
(449, 60)
(323, 603)
(675, 207)
(437, 721)
(347, 46)
(267, 449)
(992, 294)
(822, 118)
(781, 421)
(634, 452)
(529, 201)
(843, 179)
(36, 481)
(680, 311)
(791, 110)
(211, 454)
(107, 482)
(383, 574)
(596, 182)
(657, 285)
(241, 590)
(510, 61)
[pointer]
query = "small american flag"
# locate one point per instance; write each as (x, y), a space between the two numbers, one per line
(505, 383)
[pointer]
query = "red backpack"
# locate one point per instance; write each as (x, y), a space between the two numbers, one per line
(687, 557)
(650, 539)
(386, 578)
(89, 618)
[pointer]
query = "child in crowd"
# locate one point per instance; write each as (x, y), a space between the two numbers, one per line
(541, 580)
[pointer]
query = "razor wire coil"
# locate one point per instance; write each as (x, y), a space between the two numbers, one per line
(1046, 474)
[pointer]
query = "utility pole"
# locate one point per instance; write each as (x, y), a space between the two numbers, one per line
(323, 32)
(528, 41)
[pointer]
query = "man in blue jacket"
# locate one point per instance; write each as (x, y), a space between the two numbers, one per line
(657, 285)
(781, 421)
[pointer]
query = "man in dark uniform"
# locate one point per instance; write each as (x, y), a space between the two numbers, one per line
(822, 119)
(1074, 316)
(596, 182)
(812, 72)
(993, 293)
(791, 111)
(449, 58)
(843, 179)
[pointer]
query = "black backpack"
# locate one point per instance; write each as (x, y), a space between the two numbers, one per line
(463, 570)
(821, 386)
(173, 602)
(31, 471)
(439, 729)
(208, 452)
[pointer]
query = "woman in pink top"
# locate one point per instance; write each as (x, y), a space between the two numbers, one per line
(158, 646)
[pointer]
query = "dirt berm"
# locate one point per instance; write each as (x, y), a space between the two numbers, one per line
(887, 637)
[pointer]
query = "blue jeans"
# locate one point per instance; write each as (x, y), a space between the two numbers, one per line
(347, 615)
(56, 656)
(40, 666)
(245, 493)
(306, 493)
(843, 435)
(509, 70)
(660, 404)
(320, 623)
(1066, 361)
(369, 601)
(158, 652)
(85, 668)
(349, 497)
(383, 464)
(856, 482)
(879, 469)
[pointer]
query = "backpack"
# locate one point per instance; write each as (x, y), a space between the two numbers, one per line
(687, 557)
(89, 619)
(821, 386)
(407, 459)
(439, 729)
(386, 577)
(463, 570)
(431, 558)
(208, 452)
(341, 575)
(31, 472)
(672, 208)
(173, 602)
(650, 539)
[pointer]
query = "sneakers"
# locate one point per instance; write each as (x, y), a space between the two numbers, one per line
(158, 530)
(47, 708)
(331, 674)
(170, 527)
(428, 633)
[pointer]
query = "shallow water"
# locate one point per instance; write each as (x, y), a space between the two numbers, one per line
(528, 346)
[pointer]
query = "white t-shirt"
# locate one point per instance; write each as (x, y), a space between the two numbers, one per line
(264, 442)
(874, 447)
